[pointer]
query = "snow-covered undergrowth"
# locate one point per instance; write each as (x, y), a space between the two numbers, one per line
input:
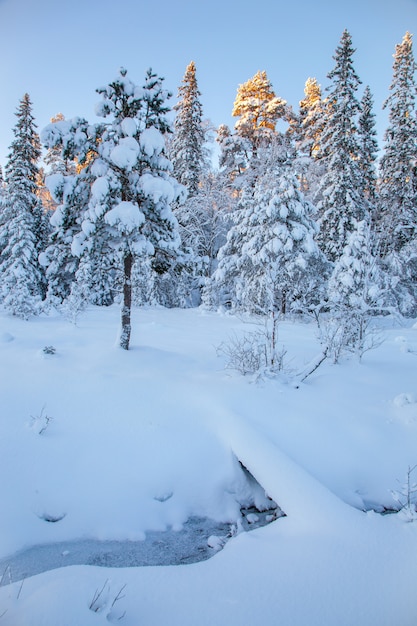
(99, 443)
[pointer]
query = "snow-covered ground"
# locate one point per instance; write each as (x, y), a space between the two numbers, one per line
(99, 443)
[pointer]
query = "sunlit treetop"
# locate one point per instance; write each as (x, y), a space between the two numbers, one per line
(258, 108)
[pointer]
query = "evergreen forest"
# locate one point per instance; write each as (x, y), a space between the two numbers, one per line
(304, 214)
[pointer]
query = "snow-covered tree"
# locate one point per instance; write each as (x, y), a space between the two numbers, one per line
(270, 261)
(204, 220)
(368, 146)
(341, 190)
(401, 268)
(23, 225)
(309, 123)
(68, 141)
(234, 155)
(398, 170)
(186, 147)
(71, 193)
(355, 293)
(53, 157)
(128, 214)
(306, 129)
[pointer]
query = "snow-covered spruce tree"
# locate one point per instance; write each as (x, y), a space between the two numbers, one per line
(2, 195)
(398, 170)
(186, 147)
(234, 154)
(23, 225)
(355, 295)
(186, 151)
(397, 208)
(71, 192)
(341, 189)
(129, 209)
(368, 146)
(270, 261)
(67, 141)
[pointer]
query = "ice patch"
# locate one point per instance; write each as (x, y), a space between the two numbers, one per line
(194, 542)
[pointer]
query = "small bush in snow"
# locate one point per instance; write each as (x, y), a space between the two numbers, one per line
(406, 497)
(346, 331)
(255, 352)
(49, 350)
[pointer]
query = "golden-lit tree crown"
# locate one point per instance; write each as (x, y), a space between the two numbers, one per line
(257, 106)
(312, 94)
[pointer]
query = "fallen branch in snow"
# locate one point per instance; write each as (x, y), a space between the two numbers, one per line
(312, 366)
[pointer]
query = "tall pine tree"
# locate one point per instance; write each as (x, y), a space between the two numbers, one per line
(398, 171)
(368, 147)
(186, 147)
(128, 215)
(23, 225)
(342, 197)
(258, 109)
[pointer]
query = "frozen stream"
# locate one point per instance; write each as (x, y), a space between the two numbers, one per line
(198, 540)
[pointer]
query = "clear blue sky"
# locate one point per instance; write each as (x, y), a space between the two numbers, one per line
(60, 52)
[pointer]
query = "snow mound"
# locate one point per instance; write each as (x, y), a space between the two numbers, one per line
(403, 399)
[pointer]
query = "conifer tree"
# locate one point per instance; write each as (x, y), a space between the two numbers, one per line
(23, 227)
(355, 292)
(131, 198)
(71, 194)
(306, 130)
(270, 259)
(368, 146)
(234, 155)
(128, 214)
(310, 120)
(258, 109)
(53, 157)
(186, 147)
(398, 172)
(341, 190)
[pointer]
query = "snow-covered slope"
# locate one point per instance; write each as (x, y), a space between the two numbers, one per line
(143, 440)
